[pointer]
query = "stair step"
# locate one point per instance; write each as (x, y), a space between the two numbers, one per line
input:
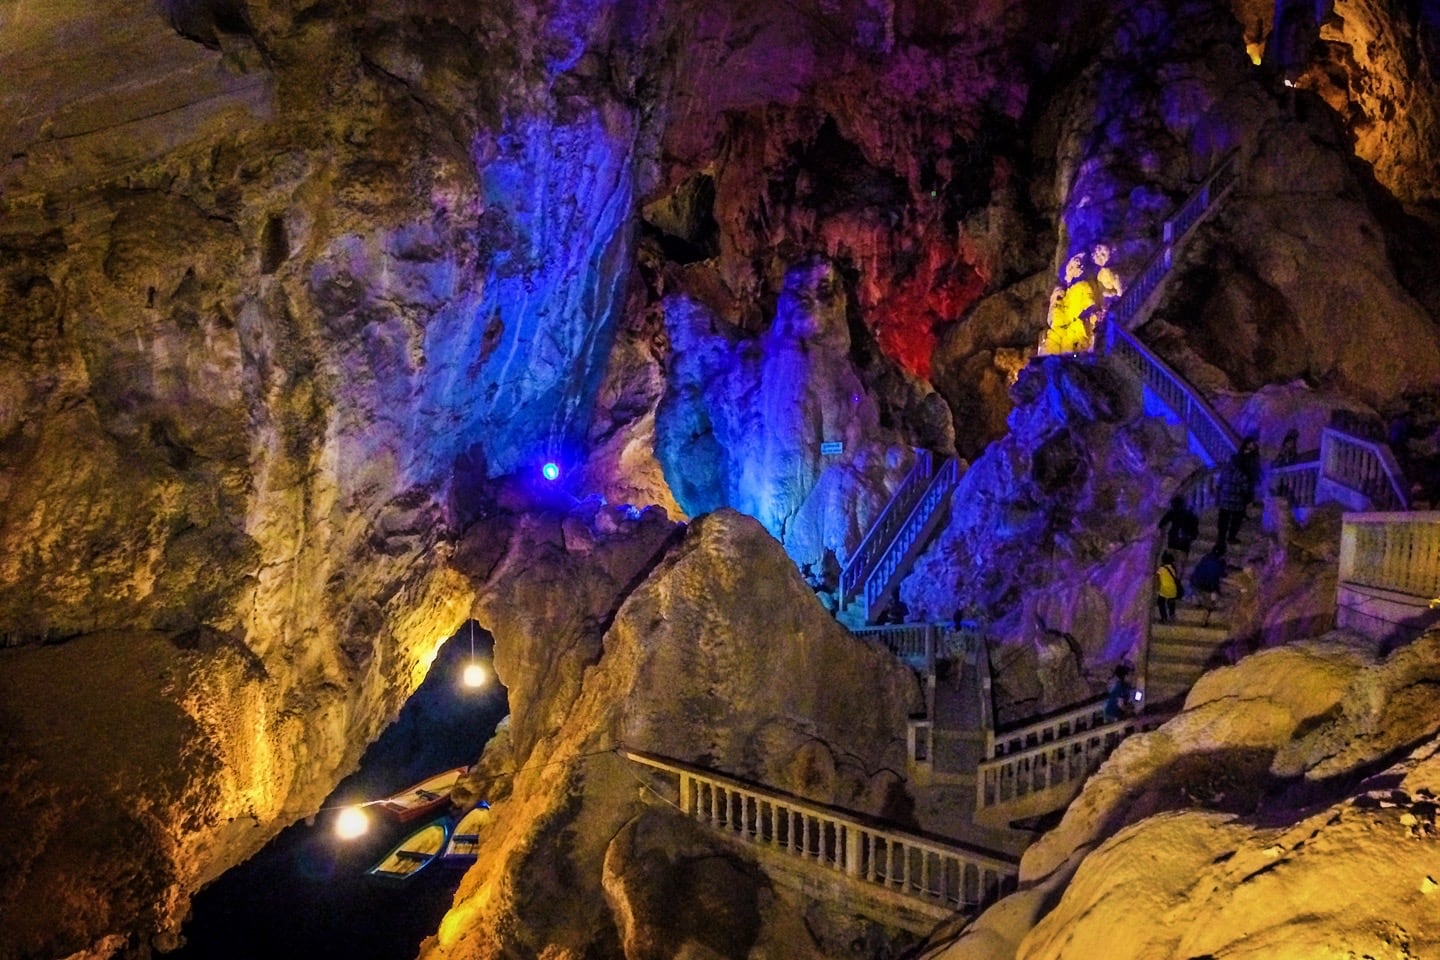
(1200, 659)
(1199, 617)
(1187, 633)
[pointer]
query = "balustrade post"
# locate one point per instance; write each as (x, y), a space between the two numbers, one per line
(853, 841)
(687, 787)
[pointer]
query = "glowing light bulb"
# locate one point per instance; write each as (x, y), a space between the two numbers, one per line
(352, 823)
(474, 675)
(551, 470)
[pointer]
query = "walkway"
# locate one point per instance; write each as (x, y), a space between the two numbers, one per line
(859, 862)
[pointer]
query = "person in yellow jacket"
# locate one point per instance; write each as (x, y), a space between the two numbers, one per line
(1167, 587)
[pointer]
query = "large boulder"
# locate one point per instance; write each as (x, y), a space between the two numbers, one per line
(717, 655)
(1289, 781)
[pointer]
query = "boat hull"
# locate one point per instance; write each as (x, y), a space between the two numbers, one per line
(414, 853)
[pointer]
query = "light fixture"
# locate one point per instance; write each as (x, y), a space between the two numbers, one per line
(474, 674)
(551, 471)
(352, 823)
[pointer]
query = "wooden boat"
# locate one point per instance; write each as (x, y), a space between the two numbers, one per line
(422, 799)
(413, 853)
(464, 842)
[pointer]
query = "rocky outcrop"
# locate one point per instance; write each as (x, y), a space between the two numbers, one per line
(705, 660)
(1288, 782)
(287, 284)
(1052, 532)
(782, 427)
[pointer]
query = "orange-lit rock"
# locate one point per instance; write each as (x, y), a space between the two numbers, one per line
(713, 660)
(1290, 807)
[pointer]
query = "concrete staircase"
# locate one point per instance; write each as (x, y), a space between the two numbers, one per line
(1181, 651)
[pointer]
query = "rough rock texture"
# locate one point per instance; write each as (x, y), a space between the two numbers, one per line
(744, 419)
(285, 282)
(731, 666)
(1245, 826)
(1052, 532)
(260, 345)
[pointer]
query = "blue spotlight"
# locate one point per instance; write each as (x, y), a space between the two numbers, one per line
(551, 470)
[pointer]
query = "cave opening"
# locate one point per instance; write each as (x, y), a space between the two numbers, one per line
(307, 893)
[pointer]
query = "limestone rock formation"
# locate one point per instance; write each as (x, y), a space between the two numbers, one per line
(1052, 531)
(745, 423)
(1246, 825)
(287, 286)
(728, 665)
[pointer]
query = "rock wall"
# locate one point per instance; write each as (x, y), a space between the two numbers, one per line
(283, 292)
(287, 283)
(1246, 825)
(1052, 532)
(729, 665)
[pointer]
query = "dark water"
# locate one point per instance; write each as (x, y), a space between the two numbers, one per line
(306, 895)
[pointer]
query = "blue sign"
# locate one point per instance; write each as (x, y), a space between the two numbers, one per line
(831, 447)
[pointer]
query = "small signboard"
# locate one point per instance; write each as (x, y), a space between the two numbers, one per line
(831, 447)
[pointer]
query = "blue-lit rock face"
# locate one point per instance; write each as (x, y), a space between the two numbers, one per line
(745, 422)
(1050, 529)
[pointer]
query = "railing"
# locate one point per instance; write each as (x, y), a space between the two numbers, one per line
(1176, 231)
(883, 530)
(1365, 466)
(1204, 199)
(1046, 730)
(921, 644)
(852, 845)
(1392, 551)
(1296, 482)
(917, 525)
(1058, 751)
(1216, 439)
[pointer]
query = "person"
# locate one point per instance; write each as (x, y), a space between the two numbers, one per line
(1206, 576)
(1117, 694)
(1184, 527)
(1167, 587)
(1235, 490)
(1289, 453)
(1289, 449)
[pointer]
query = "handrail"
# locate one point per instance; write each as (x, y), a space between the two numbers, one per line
(1296, 482)
(922, 643)
(1203, 199)
(1364, 466)
(1175, 232)
(862, 848)
(1392, 551)
(1217, 438)
(1064, 760)
(1083, 716)
(883, 530)
(880, 579)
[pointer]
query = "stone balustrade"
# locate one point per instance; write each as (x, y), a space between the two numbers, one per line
(862, 849)
(1392, 551)
(1389, 574)
(1360, 473)
(921, 644)
(1061, 750)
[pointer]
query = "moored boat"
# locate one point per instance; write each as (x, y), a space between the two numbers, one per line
(414, 853)
(421, 799)
(464, 842)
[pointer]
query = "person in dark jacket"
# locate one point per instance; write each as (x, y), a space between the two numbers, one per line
(1118, 694)
(1206, 577)
(1235, 490)
(1184, 527)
